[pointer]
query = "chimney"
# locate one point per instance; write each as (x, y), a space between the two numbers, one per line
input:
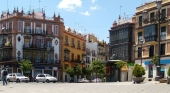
(133, 19)
(114, 24)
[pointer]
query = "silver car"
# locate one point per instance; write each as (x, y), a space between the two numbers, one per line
(45, 78)
(17, 77)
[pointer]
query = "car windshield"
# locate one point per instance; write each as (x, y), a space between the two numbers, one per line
(48, 75)
(19, 75)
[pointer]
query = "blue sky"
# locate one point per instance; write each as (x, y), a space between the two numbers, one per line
(86, 16)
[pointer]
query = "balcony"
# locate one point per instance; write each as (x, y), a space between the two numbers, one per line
(49, 34)
(78, 47)
(72, 45)
(7, 31)
(38, 46)
(163, 37)
(27, 31)
(87, 53)
(6, 58)
(66, 58)
(66, 43)
(102, 54)
(151, 38)
(39, 32)
(42, 60)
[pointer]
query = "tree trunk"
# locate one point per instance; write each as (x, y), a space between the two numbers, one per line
(96, 77)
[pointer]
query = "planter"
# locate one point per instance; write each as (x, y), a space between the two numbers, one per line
(168, 80)
(138, 79)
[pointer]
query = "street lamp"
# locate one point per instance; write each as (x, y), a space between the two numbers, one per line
(142, 49)
(159, 5)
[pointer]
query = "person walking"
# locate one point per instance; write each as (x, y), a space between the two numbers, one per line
(4, 74)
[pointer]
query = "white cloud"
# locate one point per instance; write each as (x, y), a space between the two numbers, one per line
(85, 13)
(69, 5)
(94, 7)
(93, 1)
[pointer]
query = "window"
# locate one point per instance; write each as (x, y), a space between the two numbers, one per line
(73, 42)
(48, 43)
(78, 57)
(78, 44)
(56, 30)
(66, 39)
(151, 51)
(163, 33)
(38, 30)
(139, 37)
(139, 52)
(140, 20)
(19, 26)
(150, 33)
(152, 17)
(163, 49)
(163, 13)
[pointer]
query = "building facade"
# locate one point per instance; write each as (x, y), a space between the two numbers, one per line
(102, 53)
(121, 43)
(74, 45)
(31, 36)
(91, 49)
(147, 31)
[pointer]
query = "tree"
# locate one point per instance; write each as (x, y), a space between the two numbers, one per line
(25, 65)
(98, 68)
(121, 64)
(154, 60)
(77, 69)
(69, 71)
(87, 71)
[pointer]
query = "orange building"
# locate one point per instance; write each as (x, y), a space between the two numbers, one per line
(74, 45)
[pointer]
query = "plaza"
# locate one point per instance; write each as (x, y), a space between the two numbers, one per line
(114, 87)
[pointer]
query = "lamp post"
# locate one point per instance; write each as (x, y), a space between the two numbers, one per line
(159, 5)
(142, 49)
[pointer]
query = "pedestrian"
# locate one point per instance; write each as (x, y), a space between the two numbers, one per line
(4, 74)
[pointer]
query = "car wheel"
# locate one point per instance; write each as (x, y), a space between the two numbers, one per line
(36, 80)
(26, 81)
(47, 81)
(18, 80)
(54, 82)
(8, 80)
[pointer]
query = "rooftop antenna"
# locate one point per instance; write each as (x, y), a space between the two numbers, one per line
(39, 4)
(120, 10)
(30, 5)
(7, 5)
(142, 2)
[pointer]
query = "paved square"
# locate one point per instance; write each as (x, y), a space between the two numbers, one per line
(115, 87)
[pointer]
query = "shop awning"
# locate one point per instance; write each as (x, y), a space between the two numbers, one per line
(165, 61)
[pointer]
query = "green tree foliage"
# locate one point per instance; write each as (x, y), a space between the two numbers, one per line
(138, 71)
(77, 69)
(120, 64)
(86, 71)
(69, 71)
(98, 67)
(25, 65)
(169, 71)
(154, 60)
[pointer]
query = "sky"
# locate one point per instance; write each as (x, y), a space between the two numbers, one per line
(85, 16)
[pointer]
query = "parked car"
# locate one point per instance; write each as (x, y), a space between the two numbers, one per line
(45, 78)
(17, 77)
(96, 80)
(83, 80)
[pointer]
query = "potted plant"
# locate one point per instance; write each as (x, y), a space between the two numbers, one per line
(138, 72)
(168, 78)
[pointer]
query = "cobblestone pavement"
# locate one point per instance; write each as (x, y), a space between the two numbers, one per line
(116, 87)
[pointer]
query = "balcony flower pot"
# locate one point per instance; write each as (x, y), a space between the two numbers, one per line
(138, 72)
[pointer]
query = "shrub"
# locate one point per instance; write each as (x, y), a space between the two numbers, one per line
(138, 71)
(169, 71)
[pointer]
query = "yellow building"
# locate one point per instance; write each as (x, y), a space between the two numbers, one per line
(73, 50)
(147, 30)
(102, 51)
